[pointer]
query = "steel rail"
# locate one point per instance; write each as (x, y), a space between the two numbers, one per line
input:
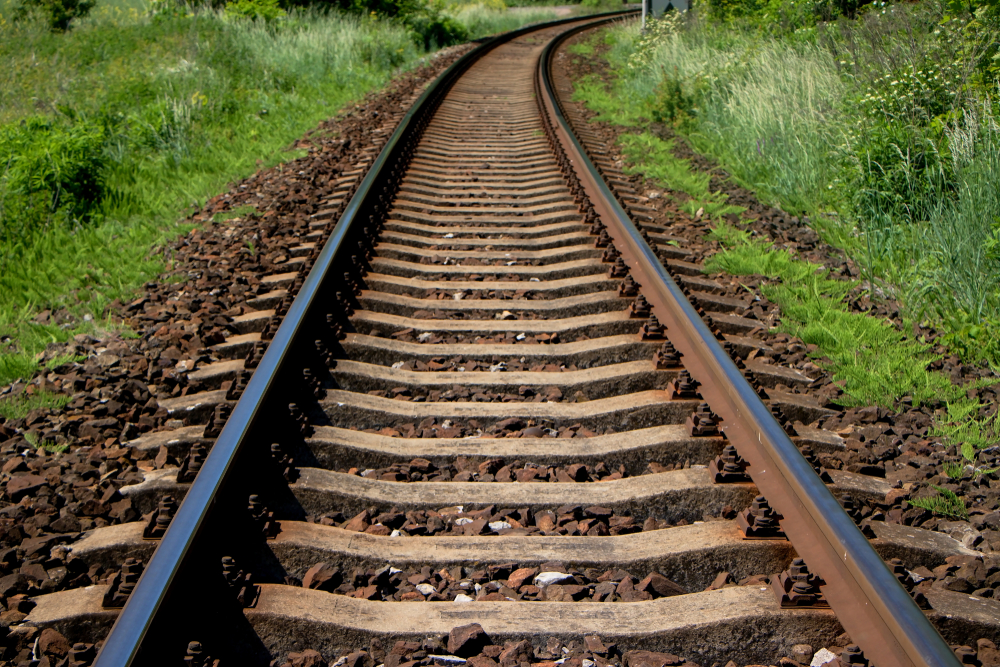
(875, 610)
(163, 575)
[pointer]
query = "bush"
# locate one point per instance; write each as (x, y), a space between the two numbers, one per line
(255, 9)
(58, 13)
(601, 5)
(898, 173)
(433, 29)
(52, 171)
(670, 104)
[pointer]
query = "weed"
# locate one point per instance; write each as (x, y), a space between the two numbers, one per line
(953, 470)
(59, 360)
(235, 213)
(267, 10)
(47, 446)
(728, 235)
(481, 19)
(876, 361)
(965, 429)
(884, 130)
(17, 407)
(946, 503)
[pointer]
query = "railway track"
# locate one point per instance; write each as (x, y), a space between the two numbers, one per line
(490, 403)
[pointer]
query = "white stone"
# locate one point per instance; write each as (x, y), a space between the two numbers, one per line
(499, 525)
(544, 579)
(462, 597)
(447, 659)
(821, 657)
(426, 589)
(462, 520)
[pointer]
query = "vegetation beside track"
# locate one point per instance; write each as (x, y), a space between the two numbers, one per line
(899, 171)
(909, 193)
(880, 123)
(112, 130)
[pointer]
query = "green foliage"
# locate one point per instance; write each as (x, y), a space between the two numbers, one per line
(47, 446)
(728, 235)
(657, 34)
(945, 504)
(730, 9)
(482, 19)
(601, 5)
(132, 117)
(966, 429)
(57, 13)
(882, 129)
(877, 363)
(52, 174)
(267, 10)
(18, 406)
(432, 28)
(898, 174)
(670, 104)
(234, 213)
(953, 470)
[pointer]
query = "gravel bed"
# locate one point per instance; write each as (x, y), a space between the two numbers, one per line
(491, 520)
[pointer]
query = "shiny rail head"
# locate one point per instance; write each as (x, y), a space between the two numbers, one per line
(160, 585)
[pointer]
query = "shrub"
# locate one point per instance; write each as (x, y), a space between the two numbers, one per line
(255, 9)
(51, 170)
(431, 28)
(58, 13)
(670, 104)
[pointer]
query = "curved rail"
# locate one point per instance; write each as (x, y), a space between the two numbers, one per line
(877, 612)
(205, 501)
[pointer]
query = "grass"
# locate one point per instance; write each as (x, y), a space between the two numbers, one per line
(881, 129)
(648, 154)
(970, 428)
(18, 406)
(46, 446)
(113, 131)
(876, 363)
(761, 108)
(185, 104)
(947, 503)
(482, 20)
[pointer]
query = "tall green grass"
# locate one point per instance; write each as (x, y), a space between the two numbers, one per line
(767, 110)
(881, 129)
(165, 110)
(110, 132)
(482, 19)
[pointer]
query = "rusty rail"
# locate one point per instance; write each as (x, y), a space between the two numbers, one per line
(872, 606)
